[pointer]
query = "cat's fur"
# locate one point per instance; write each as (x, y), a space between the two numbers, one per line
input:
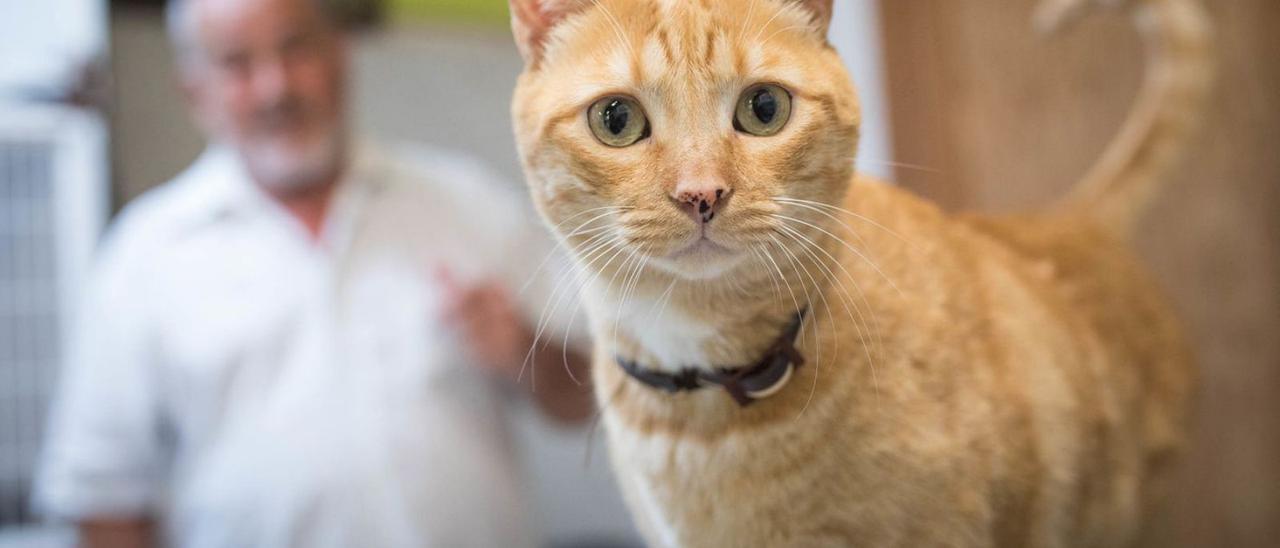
(970, 380)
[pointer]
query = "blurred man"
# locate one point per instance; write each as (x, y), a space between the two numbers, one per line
(294, 343)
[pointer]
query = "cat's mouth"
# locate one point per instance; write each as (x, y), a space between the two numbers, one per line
(702, 258)
(702, 247)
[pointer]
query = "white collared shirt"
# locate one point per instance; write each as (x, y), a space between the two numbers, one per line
(251, 387)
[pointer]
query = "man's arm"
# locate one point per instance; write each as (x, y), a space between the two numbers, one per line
(117, 533)
(563, 386)
(501, 341)
(100, 466)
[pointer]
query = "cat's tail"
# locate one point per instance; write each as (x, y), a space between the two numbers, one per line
(1174, 94)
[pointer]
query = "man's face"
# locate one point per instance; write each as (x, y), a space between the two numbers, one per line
(267, 77)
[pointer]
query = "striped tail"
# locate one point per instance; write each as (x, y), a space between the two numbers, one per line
(1176, 88)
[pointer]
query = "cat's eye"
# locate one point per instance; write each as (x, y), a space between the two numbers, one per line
(618, 121)
(763, 110)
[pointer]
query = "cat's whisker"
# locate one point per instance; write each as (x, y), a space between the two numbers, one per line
(593, 241)
(564, 343)
(541, 265)
(861, 323)
(557, 294)
(735, 284)
(609, 209)
(637, 277)
(617, 28)
(662, 299)
(751, 10)
(765, 26)
(817, 339)
(782, 277)
(554, 300)
(830, 275)
(574, 315)
(913, 167)
(777, 289)
(862, 242)
(632, 262)
(852, 280)
(780, 31)
(662, 310)
(577, 306)
(629, 290)
(582, 230)
(852, 249)
(796, 302)
(587, 277)
(592, 245)
(819, 206)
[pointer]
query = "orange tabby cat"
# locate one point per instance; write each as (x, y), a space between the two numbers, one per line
(790, 355)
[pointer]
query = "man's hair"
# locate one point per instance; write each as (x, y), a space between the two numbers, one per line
(181, 24)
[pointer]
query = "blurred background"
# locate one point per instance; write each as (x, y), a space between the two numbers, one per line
(964, 103)
(91, 116)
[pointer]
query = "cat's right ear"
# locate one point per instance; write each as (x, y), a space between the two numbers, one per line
(532, 21)
(821, 10)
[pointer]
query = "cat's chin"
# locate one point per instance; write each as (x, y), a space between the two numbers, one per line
(701, 261)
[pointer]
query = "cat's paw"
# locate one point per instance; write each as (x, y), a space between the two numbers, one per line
(1055, 15)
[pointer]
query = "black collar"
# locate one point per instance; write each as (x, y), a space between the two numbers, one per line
(745, 384)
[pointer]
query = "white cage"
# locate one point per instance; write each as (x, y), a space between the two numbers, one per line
(53, 205)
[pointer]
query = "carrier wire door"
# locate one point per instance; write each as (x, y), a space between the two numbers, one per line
(53, 204)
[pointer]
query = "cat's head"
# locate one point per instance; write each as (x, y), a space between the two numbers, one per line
(677, 129)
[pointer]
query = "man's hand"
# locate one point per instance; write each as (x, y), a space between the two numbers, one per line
(499, 340)
(117, 533)
(486, 316)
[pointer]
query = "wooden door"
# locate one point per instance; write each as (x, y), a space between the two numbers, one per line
(990, 115)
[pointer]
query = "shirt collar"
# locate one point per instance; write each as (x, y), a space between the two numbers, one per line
(223, 187)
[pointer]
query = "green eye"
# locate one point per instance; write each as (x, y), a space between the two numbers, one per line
(763, 110)
(618, 121)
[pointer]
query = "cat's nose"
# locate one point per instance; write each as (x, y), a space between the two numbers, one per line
(701, 200)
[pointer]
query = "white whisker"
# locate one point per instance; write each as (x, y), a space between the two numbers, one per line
(631, 262)
(751, 10)
(861, 323)
(777, 289)
(847, 246)
(765, 26)
(817, 340)
(617, 28)
(914, 167)
(610, 210)
(780, 31)
(795, 301)
(557, 296)
(810, 204)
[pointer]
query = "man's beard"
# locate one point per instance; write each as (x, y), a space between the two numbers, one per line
(284, 167)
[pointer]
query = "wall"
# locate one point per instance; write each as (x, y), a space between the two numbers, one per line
(989, 115)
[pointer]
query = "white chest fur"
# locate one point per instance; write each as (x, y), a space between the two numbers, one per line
(639, 458)
(672, 340)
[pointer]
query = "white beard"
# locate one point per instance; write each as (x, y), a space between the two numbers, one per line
(284, 168)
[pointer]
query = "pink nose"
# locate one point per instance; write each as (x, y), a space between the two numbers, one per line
(701, 200)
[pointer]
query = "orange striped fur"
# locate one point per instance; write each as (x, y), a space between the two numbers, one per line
(970, 380)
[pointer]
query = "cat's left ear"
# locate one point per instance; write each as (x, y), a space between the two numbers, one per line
(532, 21)
(821, 10)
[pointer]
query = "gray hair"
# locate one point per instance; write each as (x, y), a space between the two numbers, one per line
(182, 26)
